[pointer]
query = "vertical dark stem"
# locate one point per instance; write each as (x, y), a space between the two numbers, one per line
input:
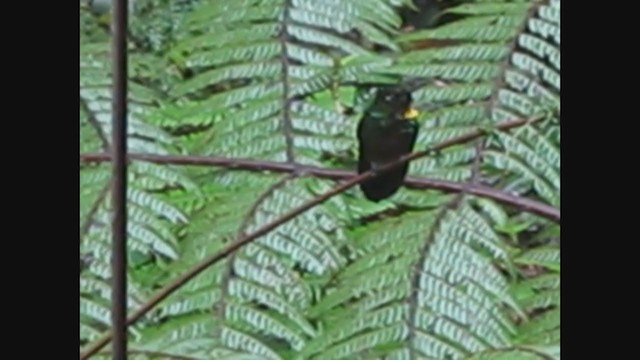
(119, 190)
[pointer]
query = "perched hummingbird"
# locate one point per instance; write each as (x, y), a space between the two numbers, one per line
(385, 133)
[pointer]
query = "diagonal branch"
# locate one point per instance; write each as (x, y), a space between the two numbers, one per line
(500, 196)
(91, 117)
(232, 247)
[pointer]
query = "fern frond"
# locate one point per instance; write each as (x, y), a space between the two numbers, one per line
(540, 296)
(433, 296)
(504, 64)
(264, 288)
(150, 218)
(258, 294)
(254, 59)
(515, 354)
(434, 278)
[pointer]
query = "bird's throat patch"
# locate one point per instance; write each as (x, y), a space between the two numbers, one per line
(411, 114)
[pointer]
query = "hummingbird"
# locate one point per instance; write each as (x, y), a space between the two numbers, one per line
(386, 132)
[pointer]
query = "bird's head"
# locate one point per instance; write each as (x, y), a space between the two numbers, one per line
(396, 102)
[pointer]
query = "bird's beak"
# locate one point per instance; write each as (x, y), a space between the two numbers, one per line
(411, 114)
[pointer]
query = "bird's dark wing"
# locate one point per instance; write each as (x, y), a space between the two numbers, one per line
(385, 184)
(363, 164)
(409, 141)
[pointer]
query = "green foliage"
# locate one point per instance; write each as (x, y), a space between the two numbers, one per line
(422, 275)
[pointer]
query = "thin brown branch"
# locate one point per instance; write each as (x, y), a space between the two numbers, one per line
(231, 247)
(502, 197)
(119, 110)
(93, 122)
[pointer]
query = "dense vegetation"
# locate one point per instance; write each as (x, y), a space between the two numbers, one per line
(426, 274)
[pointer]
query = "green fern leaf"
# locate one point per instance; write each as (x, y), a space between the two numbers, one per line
(436, 296)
